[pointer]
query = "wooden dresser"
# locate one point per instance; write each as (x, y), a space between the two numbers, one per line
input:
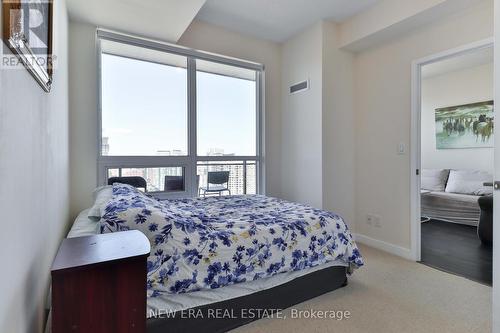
(99, 284)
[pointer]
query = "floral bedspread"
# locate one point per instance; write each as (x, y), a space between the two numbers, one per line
(208, 243)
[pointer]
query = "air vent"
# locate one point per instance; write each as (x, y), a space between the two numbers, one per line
(299, 87)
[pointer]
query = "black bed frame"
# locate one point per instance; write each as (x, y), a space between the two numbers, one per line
(265, 301)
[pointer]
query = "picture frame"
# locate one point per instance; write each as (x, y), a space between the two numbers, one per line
(27, 31)
(465, 126)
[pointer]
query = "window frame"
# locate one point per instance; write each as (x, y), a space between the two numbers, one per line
(189, 162)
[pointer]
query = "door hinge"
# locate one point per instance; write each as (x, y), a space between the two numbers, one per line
(418, 172)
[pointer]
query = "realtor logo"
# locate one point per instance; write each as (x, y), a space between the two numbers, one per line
(27, 32)
(29, 20)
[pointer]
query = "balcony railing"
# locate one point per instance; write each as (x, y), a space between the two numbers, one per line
(242, 176)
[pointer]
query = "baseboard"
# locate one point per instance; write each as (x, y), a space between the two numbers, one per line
(384, 246)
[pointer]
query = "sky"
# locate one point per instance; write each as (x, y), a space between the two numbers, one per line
(144, 109)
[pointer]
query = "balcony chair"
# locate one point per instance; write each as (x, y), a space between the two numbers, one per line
(137, 182)
(174, 183)
(217, 182)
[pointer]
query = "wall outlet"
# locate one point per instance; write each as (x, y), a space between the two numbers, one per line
(374, 220)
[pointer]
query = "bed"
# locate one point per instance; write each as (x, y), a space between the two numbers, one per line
(218, 263)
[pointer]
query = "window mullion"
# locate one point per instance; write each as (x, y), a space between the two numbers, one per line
(260, 135)
(192, 126)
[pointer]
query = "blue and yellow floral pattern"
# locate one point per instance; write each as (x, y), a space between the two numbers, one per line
(208, 243)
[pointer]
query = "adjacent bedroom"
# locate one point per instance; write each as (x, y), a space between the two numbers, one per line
(457, 154)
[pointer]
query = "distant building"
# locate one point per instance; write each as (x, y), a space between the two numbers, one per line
(163, 153)
(174, 152)
(105, 146)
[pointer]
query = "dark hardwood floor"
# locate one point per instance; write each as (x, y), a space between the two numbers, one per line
(456, 249)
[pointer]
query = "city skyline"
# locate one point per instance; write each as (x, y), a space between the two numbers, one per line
(210, 152)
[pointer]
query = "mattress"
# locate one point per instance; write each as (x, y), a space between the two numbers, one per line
(83, 226)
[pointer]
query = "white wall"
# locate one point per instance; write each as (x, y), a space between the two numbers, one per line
(301, 151)
(338, 127)
(34, 169)
(83, 90)
(470, 85)
(382, 106)
(165, 20)
(199, 35)
(318, 146)
(385, 14)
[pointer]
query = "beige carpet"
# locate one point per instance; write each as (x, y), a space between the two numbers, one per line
(391, 294)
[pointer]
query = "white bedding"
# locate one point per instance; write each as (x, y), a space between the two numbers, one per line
(83, 226)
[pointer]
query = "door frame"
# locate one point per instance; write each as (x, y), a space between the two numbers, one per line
(415, 149)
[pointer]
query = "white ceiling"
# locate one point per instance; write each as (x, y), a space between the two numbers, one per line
(468, 60)
(160, 19)
(277, 20)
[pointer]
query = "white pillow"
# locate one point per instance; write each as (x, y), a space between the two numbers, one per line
(101, 196)
(434, 180)
(469, 182)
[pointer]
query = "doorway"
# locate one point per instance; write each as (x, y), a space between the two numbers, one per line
(452, 161)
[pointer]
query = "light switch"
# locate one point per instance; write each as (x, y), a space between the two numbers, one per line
(401, 148)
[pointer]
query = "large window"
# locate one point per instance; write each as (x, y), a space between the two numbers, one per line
(226, 104)
(144, 106)
(187, 122)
